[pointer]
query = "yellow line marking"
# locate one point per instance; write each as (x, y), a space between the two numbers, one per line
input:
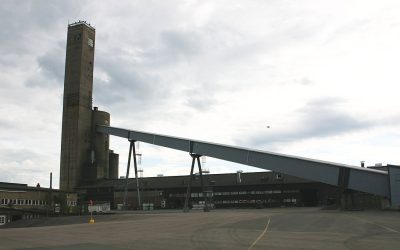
(260, 236)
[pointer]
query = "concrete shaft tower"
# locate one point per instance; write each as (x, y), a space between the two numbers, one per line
(84, 153)
(77, 109)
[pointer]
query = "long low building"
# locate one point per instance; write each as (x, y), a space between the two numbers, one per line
(20, 201)
(255, 189)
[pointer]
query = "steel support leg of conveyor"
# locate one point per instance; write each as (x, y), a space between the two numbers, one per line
(186, 206)
(202, 185)
(131, 145)
(136, 176)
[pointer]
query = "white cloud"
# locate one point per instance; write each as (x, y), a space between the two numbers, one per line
(211, 70)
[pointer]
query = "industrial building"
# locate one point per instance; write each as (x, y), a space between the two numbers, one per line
(257, 189)
(89, 169)
(233, 190)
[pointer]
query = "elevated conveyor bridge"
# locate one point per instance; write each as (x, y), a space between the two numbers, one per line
(377, 182)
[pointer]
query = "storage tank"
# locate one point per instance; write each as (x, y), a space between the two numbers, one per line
(100, 150)
(114, 164)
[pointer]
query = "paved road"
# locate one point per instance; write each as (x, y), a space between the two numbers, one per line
(290, 228)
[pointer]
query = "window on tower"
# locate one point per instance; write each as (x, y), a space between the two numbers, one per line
(77, 37)
(90, 42)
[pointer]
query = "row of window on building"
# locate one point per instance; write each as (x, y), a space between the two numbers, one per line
(184, 195)
(22, 202)
(256, 192)
(287, 200)
(238, 193)
(29, 202)
(2, 220)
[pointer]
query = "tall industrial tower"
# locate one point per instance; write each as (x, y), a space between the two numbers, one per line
(84, 153)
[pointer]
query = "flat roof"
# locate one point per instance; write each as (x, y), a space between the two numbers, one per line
(80, 22)
(9, 186)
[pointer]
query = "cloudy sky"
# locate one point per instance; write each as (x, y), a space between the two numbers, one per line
(316, 79)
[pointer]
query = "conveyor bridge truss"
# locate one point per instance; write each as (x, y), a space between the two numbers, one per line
(376, 182)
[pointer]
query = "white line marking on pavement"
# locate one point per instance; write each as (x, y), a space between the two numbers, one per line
(260, 236)
(375, 224)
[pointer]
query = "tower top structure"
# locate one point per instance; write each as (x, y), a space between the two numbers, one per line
(80, 22)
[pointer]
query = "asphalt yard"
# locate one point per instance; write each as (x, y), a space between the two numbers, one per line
(283, 228)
